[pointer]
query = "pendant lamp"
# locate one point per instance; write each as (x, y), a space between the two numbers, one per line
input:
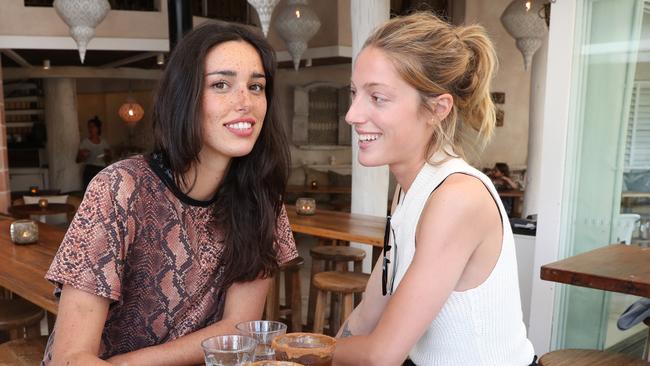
(82, 16)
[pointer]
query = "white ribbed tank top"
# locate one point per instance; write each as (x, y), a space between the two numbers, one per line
(480, 326)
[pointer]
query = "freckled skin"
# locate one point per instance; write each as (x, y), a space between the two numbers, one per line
(231, 92)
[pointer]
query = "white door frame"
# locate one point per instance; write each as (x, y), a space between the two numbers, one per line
(553, 170)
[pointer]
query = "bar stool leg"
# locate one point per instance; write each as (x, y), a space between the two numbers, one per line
(316, 267)
(319, 316)
(335, 313)
(295, 299)
(348, 306)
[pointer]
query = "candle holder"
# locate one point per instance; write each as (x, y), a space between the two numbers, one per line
(313, 184)
(305, 206)
(42, 203)
(33, 190)
(23, 232)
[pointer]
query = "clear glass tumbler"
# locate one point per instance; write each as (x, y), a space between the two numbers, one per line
(264, 331)
(229, 350)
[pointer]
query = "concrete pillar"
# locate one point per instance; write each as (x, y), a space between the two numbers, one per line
(62, 133)
(5, 190)
(536, 118)
(369, 185)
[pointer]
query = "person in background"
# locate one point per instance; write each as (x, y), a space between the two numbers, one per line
(446, 292)
(173, 247)
(94, 151)
(500, 176)
(501, 179)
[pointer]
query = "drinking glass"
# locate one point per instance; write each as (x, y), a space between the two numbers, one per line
(263, 331)
(305, 348)
(229, 350)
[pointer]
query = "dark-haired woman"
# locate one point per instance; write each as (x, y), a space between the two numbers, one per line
(174, 247)
(94, 151)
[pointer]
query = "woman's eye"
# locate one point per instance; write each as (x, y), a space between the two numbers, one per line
(377, 99)
(220, 85)
(353, 93)
(257, 87)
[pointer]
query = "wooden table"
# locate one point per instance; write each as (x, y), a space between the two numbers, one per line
(336, 225)
(23, 266)
(618, 268)
(25, 211)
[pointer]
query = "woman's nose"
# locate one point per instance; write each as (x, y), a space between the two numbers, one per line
(243, 99)
(355, 113)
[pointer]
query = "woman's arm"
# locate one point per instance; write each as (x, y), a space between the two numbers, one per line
(365, 316)
(445, 244)
(82, 155)
(79, 324)
(244, 301)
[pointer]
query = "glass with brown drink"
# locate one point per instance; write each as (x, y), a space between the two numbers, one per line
(305, 348)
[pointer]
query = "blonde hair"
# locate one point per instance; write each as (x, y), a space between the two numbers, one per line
(436, 58)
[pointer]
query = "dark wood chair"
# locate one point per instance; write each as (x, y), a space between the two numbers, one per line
(20, 318)
(23, 352)
(291, 311)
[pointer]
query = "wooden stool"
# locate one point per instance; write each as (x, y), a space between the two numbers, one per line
(586, 357)
(23, 352)
(20, 318)
(328, 258)
(291, 313)
(345, 283)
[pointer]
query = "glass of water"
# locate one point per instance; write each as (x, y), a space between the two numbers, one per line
(229, 350)
(264, 331)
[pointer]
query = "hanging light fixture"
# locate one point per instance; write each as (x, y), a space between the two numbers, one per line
(131, 112)
(264, 9)
(82, 16)
(297, 23)
(521, 19)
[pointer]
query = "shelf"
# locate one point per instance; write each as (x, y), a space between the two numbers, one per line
(19, 124)
(16, 112)
(324, 147)
(32, 98)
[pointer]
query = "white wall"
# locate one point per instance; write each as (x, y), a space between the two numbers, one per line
(510, 142)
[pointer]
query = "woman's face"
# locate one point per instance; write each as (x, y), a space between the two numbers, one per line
(233, 100)
(391, 125)
(93, 131)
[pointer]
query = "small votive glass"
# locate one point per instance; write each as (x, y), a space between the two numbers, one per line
(33, 190)
(23, 232)
(313, 184)
(264, 331)
(42, 203)
(305, 348)
(229, 350)
(305, 206)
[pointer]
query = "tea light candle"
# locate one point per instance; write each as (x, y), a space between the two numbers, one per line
(33, 190)
(305, 206)
(314, 184)
(23, 232)
(42, 203)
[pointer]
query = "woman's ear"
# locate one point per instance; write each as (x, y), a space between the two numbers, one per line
(441, 106)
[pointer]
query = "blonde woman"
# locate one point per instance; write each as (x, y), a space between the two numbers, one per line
(446, 291)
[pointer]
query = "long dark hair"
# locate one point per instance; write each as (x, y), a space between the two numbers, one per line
(249, 198)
